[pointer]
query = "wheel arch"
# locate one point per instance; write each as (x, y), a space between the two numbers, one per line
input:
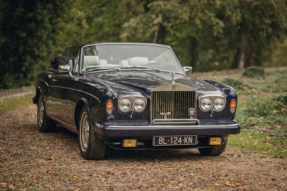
(80, 104)
(38, 93)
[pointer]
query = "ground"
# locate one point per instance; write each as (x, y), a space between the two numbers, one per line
(31, 160)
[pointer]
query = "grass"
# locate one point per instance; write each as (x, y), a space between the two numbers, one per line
(4, 92)
(11, 103)
(261, 112)
(259, 141)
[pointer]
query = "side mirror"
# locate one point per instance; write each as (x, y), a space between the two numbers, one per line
(55, 63)
(187, 68)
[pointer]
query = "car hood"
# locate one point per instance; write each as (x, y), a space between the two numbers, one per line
(132, 81)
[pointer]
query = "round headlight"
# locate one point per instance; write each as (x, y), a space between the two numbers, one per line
(219, 104)
(205, 104)
(125, 105)
(139, 105)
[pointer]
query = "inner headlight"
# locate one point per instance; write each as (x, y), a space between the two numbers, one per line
(205, 104)
(139, 105)
(125, 105)
(219, 104)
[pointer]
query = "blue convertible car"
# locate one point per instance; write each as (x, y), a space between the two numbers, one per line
(133, 96)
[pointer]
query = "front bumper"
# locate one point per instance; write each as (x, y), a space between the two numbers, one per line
(114, 134)
(156, 130)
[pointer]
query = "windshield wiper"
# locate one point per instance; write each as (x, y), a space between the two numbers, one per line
(98, 69)
(139, 67)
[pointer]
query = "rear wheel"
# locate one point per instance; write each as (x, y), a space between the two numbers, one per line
(91, 147)
(45, 124)
(214, 151)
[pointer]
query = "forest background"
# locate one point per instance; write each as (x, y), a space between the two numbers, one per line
(209, 35)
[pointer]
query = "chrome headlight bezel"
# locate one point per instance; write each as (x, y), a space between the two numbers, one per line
(142, 102)
(215, 108)
(207, 99)
(132, 99)
(212, 98)
(120, 102)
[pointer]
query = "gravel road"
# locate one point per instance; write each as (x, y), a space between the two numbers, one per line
(31, 160)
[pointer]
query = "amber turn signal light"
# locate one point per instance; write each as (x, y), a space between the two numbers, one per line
(130, 143)
(215, 141)
(232, 106)
(109, 106)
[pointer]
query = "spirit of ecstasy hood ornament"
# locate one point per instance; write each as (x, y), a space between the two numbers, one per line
(172, 76)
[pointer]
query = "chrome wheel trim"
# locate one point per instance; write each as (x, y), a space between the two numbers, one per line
(84, 131)
(41, 112)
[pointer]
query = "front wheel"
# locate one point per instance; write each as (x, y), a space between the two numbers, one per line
(91, 147)
(214, 151)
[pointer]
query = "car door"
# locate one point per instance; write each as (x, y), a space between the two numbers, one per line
(56, 99)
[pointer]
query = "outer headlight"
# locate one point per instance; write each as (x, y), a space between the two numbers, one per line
(219, 104)
(139, 105)
(205, 104)
(125, 105)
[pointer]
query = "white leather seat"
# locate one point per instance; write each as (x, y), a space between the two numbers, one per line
(103, 64)
(138, 61)
(91, 61)
(124, 64)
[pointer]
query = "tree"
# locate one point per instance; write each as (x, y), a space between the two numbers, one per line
(30, 30)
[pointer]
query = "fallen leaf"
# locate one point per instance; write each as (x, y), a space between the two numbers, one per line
(240, 182)
(3, 184)
(41, 161)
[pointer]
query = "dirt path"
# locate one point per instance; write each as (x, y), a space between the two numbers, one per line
(31, 160)
(18, 94)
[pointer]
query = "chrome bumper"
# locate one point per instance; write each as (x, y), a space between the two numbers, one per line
(155, 130)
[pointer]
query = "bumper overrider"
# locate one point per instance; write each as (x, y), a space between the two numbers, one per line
(113, 134)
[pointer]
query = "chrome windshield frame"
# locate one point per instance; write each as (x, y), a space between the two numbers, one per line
(141, 44)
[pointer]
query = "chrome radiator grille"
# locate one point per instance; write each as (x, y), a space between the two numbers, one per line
(170, 105)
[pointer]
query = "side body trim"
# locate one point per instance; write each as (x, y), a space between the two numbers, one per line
(64, 124)
(72, 89)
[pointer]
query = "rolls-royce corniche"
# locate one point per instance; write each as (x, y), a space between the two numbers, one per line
(133, 96)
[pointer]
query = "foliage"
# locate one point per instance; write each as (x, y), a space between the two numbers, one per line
(207, 35)
(262, 114)
(236, 84)
(253, 71)
(30, 31)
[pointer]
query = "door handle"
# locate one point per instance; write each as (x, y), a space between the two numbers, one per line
(54, 80)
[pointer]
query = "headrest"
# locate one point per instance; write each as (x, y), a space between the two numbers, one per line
(91, 60)
(103, 63)
(138, 61)
(124, 64)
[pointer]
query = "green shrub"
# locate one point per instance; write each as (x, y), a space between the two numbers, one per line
(236, 84)
(254, 72)
(267, 107)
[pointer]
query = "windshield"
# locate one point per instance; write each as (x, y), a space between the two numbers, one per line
(127, 56)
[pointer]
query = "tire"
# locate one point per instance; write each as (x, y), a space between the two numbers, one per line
(45, 124)
(214, 151)
(91, 147)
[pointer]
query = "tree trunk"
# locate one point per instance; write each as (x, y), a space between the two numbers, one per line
(241, 61)
(193, 53)
(155, 34)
